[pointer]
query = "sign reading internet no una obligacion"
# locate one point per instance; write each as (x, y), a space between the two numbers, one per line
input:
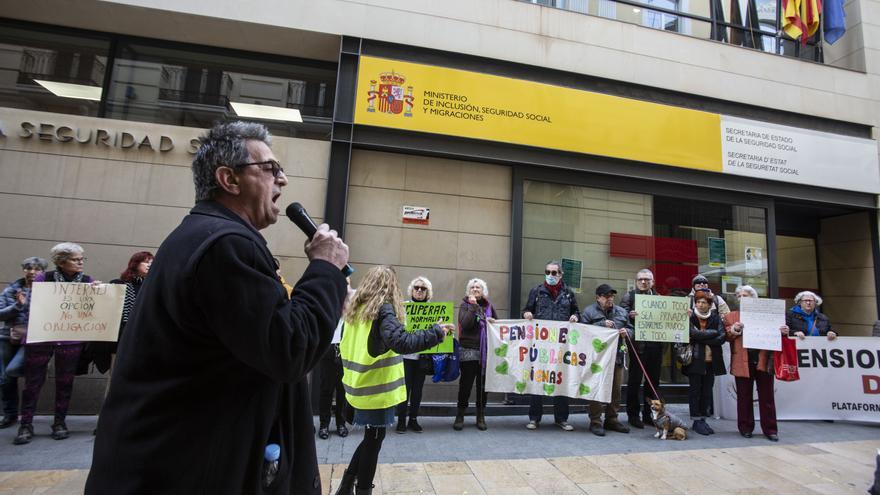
(662, 319)
(64, 311)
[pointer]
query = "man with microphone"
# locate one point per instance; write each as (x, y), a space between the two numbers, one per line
(210, 371)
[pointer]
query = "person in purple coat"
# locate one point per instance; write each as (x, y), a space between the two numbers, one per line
(69, 260)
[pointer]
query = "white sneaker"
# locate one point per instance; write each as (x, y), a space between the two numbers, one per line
(533, 425)
(565, 426)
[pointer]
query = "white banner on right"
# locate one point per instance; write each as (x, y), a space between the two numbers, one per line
(840, 380)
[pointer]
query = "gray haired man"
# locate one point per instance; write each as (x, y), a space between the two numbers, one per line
(210, 372)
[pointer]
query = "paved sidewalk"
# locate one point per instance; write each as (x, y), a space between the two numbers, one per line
(812, 457)
(820, 468)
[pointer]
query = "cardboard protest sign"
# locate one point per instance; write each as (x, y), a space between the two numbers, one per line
(551, 358)
(761, 319)
(662, 318)
(65, 311)
(420, 316)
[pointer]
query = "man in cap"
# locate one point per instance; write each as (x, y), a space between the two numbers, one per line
(607, 314)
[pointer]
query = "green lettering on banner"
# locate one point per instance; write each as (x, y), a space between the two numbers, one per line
(662, 318)
(420, 316)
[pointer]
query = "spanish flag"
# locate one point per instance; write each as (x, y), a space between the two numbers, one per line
(800, 18)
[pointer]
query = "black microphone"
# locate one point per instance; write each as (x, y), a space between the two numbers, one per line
(298, 215)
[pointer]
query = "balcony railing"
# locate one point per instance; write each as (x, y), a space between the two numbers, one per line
(754, 24)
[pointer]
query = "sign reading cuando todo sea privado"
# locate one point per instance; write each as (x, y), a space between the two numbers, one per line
(64, 311)
(551, 358)
(662, 319)
(424, 315)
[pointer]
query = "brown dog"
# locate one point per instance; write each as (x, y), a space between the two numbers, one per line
(667, 422)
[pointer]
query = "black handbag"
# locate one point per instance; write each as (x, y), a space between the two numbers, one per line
(684, 353)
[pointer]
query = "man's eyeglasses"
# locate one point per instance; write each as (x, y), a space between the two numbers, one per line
(78, 260)
(277, 170)
(420, 289)
(552, 272)
(644, 279)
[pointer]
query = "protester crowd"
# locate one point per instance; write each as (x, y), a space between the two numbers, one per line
(712, 325)
(213, 332)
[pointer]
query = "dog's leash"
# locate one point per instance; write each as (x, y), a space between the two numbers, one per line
(639, 360)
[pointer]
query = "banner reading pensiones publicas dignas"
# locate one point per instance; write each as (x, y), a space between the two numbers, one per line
(840, 379)
(551, 358)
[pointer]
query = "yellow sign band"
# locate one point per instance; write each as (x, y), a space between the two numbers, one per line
(439, 100)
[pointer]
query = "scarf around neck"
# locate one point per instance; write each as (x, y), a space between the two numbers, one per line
(59, 276)
(701, 315)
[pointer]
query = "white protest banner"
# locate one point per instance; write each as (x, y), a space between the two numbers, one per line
(64, 311)
(662, 319)
(840, 380)
(761, 319)
(553, 358)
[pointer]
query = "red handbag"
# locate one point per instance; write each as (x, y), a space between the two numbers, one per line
(785, 361)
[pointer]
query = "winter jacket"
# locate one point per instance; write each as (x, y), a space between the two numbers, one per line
(595, 315)
(12, 313)
(542, 305)
(712, 337)
(388, 333)
(213, 368)
(469, 316)
(797, 323)
(628, 303)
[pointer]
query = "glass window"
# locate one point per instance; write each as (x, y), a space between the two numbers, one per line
(196, 87)
(51, 72)
(614, 234)
(726, 243)
(572, 222)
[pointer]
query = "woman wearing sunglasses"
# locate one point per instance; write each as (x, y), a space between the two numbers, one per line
(415, 366)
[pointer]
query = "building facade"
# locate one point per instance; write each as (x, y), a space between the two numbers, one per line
(682, 136)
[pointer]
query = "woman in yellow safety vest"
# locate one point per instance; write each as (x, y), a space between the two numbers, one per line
(373, 375)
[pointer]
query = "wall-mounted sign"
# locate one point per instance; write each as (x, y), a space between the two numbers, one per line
(416, 214)
(717, 252)
(101, 137)
(440, 100)
(754, 257)
(572, 271)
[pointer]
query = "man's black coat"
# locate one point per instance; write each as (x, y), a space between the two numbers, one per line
(212, 367)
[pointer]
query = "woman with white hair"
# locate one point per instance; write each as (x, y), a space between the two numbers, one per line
(805, 320)
(415, 366)
(473, 314)
(69, 260)
(750, 367)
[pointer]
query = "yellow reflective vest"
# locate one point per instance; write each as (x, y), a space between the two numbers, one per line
(370, 382)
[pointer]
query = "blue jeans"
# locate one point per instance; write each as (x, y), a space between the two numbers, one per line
(11, 367)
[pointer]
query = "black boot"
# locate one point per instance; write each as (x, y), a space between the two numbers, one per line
(346, 486)
(401, 425)
(481, 419)
(364, 491)
(458, 424)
